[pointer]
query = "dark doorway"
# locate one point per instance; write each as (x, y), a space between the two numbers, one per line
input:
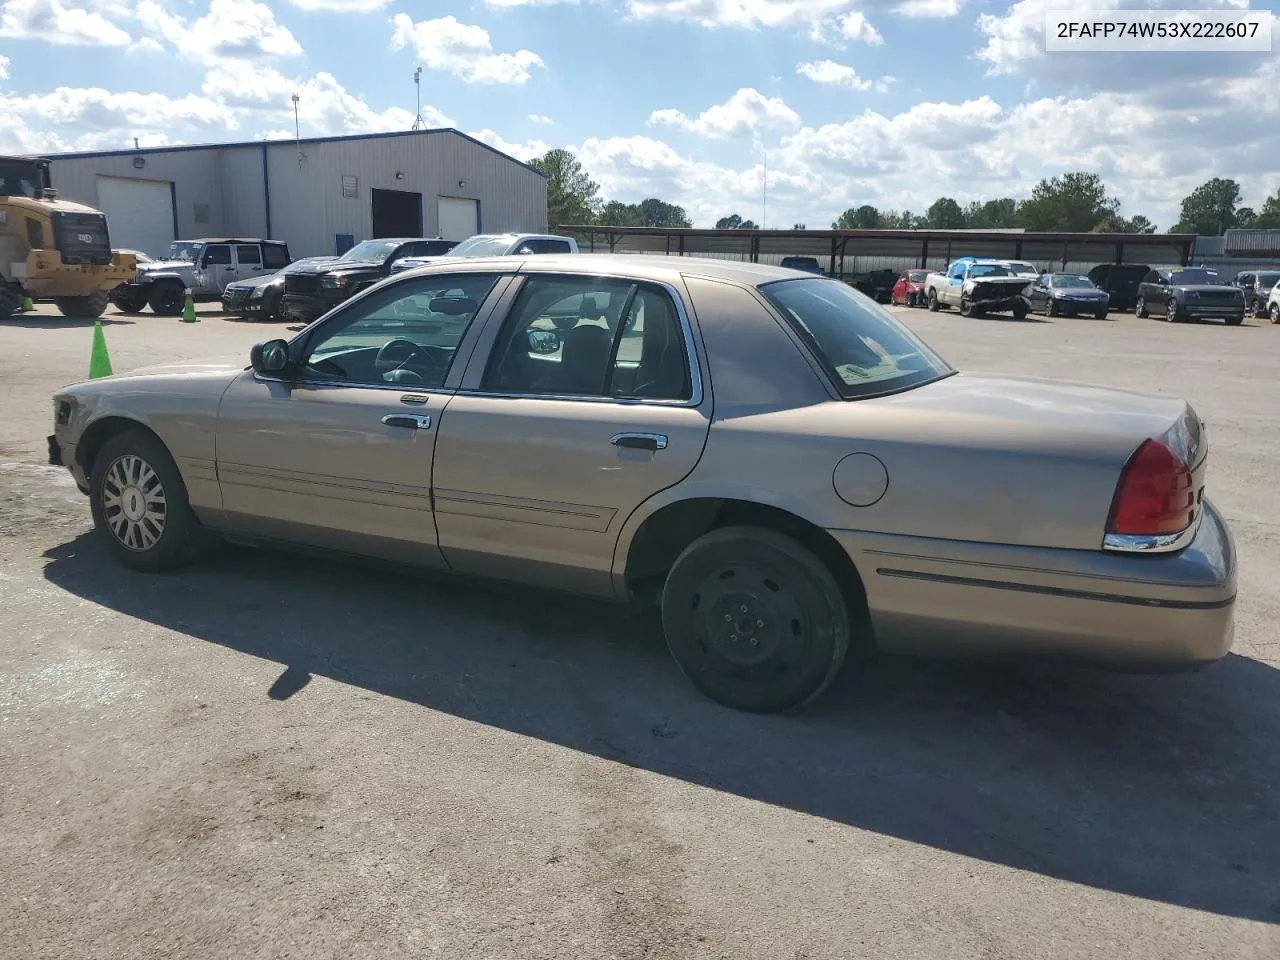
(396, 213)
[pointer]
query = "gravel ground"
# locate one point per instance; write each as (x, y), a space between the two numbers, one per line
(273, 756)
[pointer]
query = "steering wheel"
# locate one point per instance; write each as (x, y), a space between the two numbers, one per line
(394, 354)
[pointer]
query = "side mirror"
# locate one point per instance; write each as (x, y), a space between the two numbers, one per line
(544, 341)
(271, 358)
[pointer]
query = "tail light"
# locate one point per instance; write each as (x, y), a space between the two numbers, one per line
(1155, 496)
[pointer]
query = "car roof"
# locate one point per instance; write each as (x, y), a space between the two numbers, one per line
(231, 240)
(654, 267)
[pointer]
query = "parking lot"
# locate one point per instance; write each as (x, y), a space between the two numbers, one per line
(271, 755)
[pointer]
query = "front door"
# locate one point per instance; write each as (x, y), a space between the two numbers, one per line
(1038, 294)
(217, 269)
(340, 455)
(590, 402)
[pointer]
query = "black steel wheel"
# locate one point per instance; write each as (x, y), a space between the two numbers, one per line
(130, 302)
(139, 504)
(755, 620)
(168, 299)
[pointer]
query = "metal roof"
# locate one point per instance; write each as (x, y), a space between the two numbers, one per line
(271, 143)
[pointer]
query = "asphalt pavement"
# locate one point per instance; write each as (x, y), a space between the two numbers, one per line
(274, 756)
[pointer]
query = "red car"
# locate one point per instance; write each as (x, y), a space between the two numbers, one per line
(909, 290)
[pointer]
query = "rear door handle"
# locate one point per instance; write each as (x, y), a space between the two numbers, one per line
(407, 420)
(640, 441)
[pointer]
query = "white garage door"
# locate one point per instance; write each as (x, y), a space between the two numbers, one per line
(459, 218)
(139, 213)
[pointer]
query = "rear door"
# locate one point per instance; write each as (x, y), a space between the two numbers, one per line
(583, 402)
(249, 261)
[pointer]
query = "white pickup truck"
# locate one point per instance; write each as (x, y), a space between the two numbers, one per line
(978, 286)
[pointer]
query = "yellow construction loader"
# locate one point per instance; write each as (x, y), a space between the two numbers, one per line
(52, 249)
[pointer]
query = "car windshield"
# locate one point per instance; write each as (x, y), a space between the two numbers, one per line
(1268, 280)
(482, 247)
(864, 348)
(371, 251)
(302, 264)
(988, 270)
(1070, 280)
(1023, 269)
(1194, 275)
(185, 250)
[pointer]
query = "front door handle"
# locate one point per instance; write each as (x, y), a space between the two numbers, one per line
(640, 441)
(407, 420)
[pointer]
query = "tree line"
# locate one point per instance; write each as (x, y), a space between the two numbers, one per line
(1072, 203)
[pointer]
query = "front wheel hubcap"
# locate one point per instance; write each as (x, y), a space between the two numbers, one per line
(134, 503)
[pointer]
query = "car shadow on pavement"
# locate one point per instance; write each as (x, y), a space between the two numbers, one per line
(1160, 787)
(62, 323)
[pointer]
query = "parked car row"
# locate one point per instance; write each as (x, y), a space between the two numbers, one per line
(979, 286)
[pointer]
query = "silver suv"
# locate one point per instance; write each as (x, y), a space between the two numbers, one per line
(200, 268)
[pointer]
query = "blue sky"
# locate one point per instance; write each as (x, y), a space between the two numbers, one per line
(843, 102)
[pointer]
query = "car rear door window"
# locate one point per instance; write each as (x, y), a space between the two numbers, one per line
(217, 253)
(545, 246)
(591, 337)
(404, 334)
(275, 256)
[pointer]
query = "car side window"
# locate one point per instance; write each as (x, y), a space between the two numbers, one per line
(218, 253)
(544, 246)
(1151, 277)
(248, 255)
(405, 333)
(587, 336)
(275, 256)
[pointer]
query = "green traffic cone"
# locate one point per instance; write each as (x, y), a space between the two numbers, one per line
(99, 362)
(189, 311)
(27, 305)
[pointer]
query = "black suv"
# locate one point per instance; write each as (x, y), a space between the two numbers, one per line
(1120, 280)
(807, 264)
(313, 291)
(1189, 293)
(1257, 286)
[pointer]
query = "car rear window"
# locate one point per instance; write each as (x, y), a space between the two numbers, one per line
(865, 350)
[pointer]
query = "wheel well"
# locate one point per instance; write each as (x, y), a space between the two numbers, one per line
(664, 536)
(97, 435)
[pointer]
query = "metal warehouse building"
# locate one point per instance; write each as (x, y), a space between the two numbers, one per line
(320, 195)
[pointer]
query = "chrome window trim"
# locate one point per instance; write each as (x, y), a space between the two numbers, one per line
(686, 330)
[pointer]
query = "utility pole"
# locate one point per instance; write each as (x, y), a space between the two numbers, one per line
(418, 122)
(764, 188)
(297, 131)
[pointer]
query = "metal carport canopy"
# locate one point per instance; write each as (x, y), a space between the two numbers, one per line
(916, 245)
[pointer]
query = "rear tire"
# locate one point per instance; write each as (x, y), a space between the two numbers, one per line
(1050, 309)
(84, 308)
(755, 620)
(139, 503)
(1020, 311)
(933, 301)
(167, 299)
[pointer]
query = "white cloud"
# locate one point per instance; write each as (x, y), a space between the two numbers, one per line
(145, 45)
(231, 30)
(738, 13)
(51, 21)
(325, 106)
(855, 26)
(521, 151)
(340, 6)
(463, 49)
(93, 118)
(540, 118)
(833, 74)
(746, 111)
(928, 9)
(4, 68)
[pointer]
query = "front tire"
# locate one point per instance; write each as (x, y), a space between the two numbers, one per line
(1275, 313)
(84, 308)
(139, 503)
(129, 302)
(1050, 309)
(167, 300)
(1140, 309)
(933, 301)
(10, 299)
(1019, 311)
(755, 620)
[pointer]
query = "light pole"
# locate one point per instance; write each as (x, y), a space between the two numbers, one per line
(418, 122)
(297, 130)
